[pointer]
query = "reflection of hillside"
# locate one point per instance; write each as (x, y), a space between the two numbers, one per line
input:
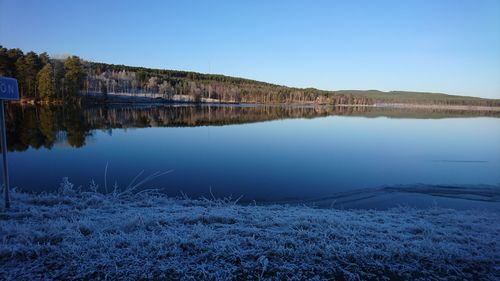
(180, 116)
(45, 126)
(186, 115)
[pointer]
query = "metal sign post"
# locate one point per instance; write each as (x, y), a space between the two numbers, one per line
(8, 91)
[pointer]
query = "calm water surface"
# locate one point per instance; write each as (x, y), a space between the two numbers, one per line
(265, 154)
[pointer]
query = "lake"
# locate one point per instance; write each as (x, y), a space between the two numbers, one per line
(288, 154)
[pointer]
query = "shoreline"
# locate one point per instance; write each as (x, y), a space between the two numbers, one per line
(141, 99)
(88, 235)
(437, 106)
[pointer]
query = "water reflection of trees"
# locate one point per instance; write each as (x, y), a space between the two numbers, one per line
(186, 116)
(44, 126)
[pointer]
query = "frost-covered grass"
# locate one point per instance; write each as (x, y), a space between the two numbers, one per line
(88, 236)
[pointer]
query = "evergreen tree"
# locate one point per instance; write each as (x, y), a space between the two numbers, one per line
(20, 76)
(31, 67)
(12, 55)
(45, 79)
(5, 67)
(74, 74)
(44, 58)
(58, 69)
(26, 69)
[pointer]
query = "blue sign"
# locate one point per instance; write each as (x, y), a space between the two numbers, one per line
(8, 89)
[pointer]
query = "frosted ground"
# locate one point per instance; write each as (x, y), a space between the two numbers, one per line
(88, 236)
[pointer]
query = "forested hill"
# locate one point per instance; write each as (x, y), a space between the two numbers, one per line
(43, 78)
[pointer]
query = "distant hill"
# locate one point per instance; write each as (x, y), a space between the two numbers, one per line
(234, 89)
(42, 78)
(419, 97)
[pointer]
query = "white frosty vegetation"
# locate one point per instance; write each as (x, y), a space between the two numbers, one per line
(87, 235)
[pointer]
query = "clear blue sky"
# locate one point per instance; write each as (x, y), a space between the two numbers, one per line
(449, 46)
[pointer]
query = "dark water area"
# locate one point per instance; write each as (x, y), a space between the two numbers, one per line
(265, 153)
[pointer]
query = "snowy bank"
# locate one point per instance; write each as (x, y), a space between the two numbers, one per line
(87, 235)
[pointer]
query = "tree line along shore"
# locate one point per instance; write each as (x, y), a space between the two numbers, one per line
(45, 79)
